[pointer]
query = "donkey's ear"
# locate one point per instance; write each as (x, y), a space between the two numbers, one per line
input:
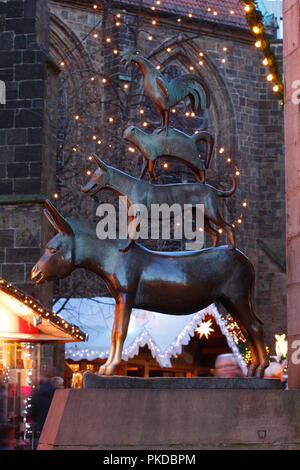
(101, 164)
(56, 219)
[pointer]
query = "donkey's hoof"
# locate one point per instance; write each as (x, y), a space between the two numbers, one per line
(109, 370)
(102, 370)
(251, 370)
(260, 371)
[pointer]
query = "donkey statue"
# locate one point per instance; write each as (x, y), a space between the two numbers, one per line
(179, 283)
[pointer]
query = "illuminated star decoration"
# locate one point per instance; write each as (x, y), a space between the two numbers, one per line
(205, 329)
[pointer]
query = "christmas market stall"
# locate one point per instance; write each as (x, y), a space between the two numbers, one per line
(156, 344)
(25, 325)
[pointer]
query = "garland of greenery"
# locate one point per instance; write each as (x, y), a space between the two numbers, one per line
(254, 18)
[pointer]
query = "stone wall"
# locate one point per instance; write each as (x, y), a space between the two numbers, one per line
(24, 179)
(27, 159)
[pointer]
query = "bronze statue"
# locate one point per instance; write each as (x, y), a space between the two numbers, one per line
(177, 283)
(164, 94)
(176, 144)
(143, 192)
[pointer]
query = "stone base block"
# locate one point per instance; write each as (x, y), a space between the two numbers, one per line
(172, 418)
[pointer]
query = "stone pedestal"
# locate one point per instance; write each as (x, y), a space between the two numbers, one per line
(291, 13)
(129, 413)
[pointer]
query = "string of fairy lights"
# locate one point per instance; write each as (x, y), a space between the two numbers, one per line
(42, 312)
(254, 19)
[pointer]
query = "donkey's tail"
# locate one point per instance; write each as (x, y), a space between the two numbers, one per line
(231, 191)
(251, 298)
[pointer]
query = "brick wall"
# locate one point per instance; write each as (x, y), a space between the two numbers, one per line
(23, 181)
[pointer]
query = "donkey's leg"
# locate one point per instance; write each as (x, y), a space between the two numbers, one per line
(242, 314)
(112, 345)
(261, 349)
(122, 317)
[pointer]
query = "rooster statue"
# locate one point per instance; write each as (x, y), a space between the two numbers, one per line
(164, 94)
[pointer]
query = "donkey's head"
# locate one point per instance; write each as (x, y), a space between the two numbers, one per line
(57, 259)
(99, 178)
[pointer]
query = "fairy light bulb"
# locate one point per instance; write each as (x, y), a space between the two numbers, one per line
(95, 35)
(104, 80)
(110, 119)
(225, 49)
(200, 62)
(221, 150)
(88, 172)
(228, 160)
(157, 67)
(239, 221)
(276, 88)
(190, 15)
(145, 123)
(55, 195)
(153, 22)
(192, 68)
(94, 137)
(169, 49)
(92, 79)
(256, 29)
(126, 86)
(115, 51)
(117, 23)
(150, 38)
(108, 40)
(77, 117)
(95, 6)
(265, 61)
(237, 172)
(245, 204)
(62, 63)
(270, 77)
(258, 44)
(165, 165)
(142, 111)
(201, 54)
(248, 8)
